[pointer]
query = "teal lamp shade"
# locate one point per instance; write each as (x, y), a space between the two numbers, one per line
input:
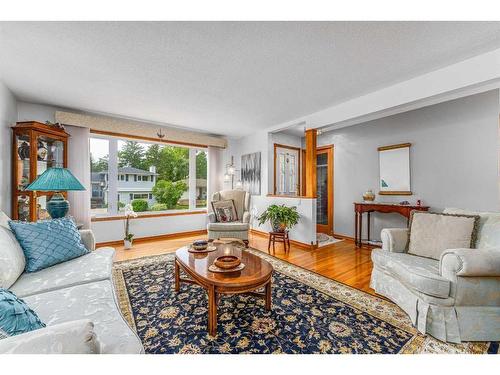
(56, 179)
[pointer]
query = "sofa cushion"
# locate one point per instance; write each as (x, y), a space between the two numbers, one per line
(95, 302)
(94, 266)
(488, 235)
(228, 227)
(15, 315)
(12, 261)
(433, 233)
(75, 337)
(48, 242)
(418, 273)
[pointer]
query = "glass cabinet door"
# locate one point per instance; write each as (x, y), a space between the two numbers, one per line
(22, 167)
(50, 153)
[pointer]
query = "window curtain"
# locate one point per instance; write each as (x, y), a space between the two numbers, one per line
(79, 165)
(214, 173)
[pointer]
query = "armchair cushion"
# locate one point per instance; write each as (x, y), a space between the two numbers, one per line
(75, 337)
(240, 197)
(470, 262)
(417, 273)
(433, 233)
(228, 227)
(225, 211)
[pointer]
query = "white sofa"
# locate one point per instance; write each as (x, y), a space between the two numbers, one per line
(454, 299)
(77, 302)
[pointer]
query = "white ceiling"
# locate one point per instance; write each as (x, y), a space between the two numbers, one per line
(230, 78)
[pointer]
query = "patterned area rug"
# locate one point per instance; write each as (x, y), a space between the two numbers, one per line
(310, 314)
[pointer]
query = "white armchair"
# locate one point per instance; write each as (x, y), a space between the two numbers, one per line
(238, 229)
(456, 298)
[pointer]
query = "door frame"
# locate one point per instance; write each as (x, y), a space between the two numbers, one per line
(299, 165)
(329, 150)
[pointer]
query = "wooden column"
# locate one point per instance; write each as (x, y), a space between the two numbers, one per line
(310, 163)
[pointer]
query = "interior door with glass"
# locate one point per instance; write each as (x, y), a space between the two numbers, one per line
(324, 211)
(287, 170)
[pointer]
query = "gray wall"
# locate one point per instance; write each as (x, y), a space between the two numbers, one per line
(8, 117)
(454, 159)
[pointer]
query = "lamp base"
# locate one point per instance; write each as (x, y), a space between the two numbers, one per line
(57, 206)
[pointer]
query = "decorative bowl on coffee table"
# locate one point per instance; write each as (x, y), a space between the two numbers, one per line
(227, 262)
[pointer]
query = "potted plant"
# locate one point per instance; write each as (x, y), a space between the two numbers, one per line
(281, 217)
(128, 239)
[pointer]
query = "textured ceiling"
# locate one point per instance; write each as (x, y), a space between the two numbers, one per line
(229, 78)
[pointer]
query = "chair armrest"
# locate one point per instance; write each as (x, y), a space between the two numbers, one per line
(211, 217)
(88, 239)
(394, 239)
(75, 337)
(469, 262)
(246, 217)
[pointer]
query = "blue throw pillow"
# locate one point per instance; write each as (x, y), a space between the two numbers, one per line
(48, 242)
(15, 316)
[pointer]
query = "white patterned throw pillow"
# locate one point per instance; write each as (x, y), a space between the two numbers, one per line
(433, 233)
(12, 261)
(488, 236)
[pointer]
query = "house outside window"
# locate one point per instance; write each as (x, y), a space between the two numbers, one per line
(155, 173)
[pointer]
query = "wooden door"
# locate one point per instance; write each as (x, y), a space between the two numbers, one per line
(286, 170)
(324, 211)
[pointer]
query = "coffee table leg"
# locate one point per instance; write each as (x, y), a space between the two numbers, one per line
(177, 276)
(268, 295)
(212, 311)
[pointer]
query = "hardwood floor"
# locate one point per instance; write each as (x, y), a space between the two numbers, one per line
(340, 261)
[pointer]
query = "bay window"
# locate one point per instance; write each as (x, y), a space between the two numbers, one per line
(150, 176)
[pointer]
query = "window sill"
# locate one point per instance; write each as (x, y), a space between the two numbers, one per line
(290, 196)
(146, 215)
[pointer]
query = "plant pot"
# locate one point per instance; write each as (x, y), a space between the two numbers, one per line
(127, 244)
(278, 227)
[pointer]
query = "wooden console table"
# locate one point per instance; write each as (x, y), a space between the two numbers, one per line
(362, 207)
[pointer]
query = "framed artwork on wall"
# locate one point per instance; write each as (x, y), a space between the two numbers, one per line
(250, 173)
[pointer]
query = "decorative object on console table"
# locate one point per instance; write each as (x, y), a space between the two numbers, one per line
(368, 196)
(56, 180)
(362, 207)
(36, 148)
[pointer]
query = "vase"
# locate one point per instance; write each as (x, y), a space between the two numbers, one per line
(278, 227)
(127, 244)
(368, 196)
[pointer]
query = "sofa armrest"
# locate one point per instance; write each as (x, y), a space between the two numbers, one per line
(246, 217)
(75, 337)
(470, 262)
(394, 239)
(211, 217)
(88, 239)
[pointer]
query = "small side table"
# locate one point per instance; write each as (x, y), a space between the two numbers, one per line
(278, 237)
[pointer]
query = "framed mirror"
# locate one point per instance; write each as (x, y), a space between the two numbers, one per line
(394, 169)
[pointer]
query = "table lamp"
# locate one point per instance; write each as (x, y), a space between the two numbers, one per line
(57, 180)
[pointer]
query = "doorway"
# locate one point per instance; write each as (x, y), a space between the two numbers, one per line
(324, 211)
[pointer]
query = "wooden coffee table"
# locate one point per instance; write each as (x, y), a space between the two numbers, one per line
(256, 274)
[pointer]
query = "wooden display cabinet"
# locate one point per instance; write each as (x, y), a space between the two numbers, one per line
(35, 148)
